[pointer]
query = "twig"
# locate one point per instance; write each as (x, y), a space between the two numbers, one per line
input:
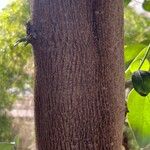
(128, 84)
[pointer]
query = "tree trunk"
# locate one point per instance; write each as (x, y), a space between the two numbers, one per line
(79, 74)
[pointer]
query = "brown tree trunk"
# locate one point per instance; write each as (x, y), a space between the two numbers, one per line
(79, 74)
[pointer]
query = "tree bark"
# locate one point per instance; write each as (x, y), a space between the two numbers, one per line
(79, 74)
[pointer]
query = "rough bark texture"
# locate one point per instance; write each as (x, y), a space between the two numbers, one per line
(79, 74)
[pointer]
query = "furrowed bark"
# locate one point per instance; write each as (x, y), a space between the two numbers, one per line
(79, 74)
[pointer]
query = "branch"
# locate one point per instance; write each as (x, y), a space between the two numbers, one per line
(128, 84)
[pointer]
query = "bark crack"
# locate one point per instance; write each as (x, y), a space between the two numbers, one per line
(95, 25)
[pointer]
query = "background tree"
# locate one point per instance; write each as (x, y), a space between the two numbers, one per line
(13, 61)
(79, 84)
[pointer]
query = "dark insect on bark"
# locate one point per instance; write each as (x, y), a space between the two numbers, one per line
(30, 35)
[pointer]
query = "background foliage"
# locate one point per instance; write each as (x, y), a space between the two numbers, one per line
(13, 61)
(137, 39)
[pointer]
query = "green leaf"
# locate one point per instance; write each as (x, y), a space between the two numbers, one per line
(133, 66)
(131, 51)
(146, 5)
(6, 146)
(141, 82)
(126, 2)
(139, 117)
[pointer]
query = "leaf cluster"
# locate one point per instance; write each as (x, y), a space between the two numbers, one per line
(137, 64)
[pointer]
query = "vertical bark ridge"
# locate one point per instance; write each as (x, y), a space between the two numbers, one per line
(79, 74)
